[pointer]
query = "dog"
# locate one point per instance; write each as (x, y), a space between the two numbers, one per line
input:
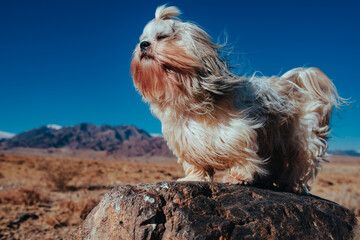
(270, 131)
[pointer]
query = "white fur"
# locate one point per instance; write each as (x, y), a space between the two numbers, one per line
(267, 131)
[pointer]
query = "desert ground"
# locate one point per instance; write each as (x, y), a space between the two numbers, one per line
(47, 197)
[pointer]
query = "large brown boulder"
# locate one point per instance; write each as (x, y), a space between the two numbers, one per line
(203, 210)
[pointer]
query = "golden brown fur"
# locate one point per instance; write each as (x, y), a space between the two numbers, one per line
(270, 131)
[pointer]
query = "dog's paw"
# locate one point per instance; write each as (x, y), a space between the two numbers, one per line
(238, 177)
(191, 178)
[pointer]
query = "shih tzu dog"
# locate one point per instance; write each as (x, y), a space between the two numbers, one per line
(270, 131)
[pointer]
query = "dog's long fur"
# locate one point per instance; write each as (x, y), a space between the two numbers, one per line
(271, 131)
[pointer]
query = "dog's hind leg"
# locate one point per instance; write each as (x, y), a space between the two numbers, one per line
(239, 175)
(196, 173)
(245, 171)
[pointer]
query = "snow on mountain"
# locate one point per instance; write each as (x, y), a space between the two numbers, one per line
(54, 126)
(156, 135)
(6, 135)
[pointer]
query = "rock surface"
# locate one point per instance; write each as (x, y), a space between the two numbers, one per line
(202, 210)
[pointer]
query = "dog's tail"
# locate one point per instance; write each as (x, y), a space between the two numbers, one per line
(318, 101)
(315, 82)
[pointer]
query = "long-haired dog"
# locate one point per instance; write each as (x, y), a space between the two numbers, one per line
(268, 131)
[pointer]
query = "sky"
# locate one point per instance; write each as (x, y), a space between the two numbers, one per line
(68, 62)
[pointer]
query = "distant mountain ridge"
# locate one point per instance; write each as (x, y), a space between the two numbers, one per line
(6, 135)
(121, 140)
(350, 153)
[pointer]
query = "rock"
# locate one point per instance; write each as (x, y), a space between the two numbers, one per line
(203, 210)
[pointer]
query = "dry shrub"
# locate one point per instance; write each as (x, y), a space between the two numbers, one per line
(60, 219)
(83, 206)
(73, 212)
(61, 174)
(350, 200)
(66, 215)
(23, 196)
(88, 207)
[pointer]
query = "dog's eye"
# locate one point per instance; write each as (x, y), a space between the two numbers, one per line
(161, 37)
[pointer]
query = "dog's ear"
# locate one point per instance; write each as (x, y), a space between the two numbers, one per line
(163, 12)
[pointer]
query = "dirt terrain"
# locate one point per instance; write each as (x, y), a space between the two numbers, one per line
(44, 197)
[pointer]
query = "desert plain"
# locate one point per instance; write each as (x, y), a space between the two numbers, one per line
(48, 197)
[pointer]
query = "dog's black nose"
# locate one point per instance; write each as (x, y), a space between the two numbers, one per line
(144, 45)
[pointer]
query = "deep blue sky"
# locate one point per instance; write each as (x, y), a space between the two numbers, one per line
(66, 62)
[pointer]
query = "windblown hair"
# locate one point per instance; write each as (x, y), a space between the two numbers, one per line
(164, 12)
(268, 131)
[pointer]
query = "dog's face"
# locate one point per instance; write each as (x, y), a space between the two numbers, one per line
(171, 58)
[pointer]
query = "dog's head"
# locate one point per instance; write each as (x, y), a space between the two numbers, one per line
(175, 60)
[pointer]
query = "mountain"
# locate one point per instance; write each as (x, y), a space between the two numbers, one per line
(350, 153)
(54, 126)
(6, 135)
(120, 140)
